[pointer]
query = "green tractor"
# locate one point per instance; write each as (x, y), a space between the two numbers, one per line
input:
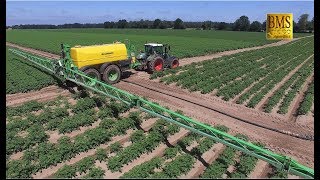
(155, 58)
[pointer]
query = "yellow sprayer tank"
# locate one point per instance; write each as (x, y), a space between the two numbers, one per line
(98, 54)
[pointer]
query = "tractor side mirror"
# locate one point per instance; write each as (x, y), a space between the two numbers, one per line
(169, 48)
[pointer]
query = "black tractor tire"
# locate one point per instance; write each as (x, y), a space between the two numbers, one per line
(156, 64)
(174, 64)
(91, 72)
(112, 74)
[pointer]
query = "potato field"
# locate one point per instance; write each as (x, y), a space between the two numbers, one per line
(249, 77)
(95, 137)
(63, 128)
(22, 76)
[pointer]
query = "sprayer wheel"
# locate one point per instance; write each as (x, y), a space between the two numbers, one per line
(111, 74)
(91, 72)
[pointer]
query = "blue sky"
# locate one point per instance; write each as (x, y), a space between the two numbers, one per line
(33, 12)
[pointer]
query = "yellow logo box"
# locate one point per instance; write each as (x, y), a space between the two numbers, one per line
(279, 26)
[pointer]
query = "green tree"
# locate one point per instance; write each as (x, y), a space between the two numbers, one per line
(295, 27)
(256, 26)
(222, 26)
(206, 25)
(303, 22)
(122, 23)
(156, 23)
(178, 24)
(109, 24)
(310, 25)
(242, 24)
(264, 25)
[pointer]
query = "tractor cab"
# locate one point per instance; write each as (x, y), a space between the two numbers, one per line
(156, 57)
(159, 49)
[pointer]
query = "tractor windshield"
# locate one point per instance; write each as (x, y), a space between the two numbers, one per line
(150, 49)
(158, 49)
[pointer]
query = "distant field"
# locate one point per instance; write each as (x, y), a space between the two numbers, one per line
(183, 43)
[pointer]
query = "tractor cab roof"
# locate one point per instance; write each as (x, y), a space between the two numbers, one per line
(153, 44)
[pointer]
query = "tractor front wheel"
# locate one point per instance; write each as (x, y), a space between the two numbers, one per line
(112, 74)
(155, 65)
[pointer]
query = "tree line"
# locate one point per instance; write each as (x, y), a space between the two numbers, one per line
(241, 24)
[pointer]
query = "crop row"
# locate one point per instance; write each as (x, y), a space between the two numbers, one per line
(45, 153)
(262, 69)
(307, 102)
(292, 86)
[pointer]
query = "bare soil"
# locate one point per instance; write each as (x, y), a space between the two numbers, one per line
(209, 156)
(43, 95)
(260, 170)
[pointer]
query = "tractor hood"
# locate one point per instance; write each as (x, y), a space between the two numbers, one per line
(141, 56)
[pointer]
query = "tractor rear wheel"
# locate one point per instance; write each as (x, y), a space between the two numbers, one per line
(174, 64)
(93, 73)
(155, 65)
(111, 74)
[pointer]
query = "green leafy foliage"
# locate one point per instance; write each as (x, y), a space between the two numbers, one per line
(203, 146)
(95, 173)
(252, 74)
(179, 166)
(85, 164)
(84, 104)
(133, 151)
(219, 167)
(71, 123)
(137, 136)
(101, 154)
(23, 109)
(66, 172)
(143, 170)
(170, 152)
(308, 100)
(21, 76)
(115, 147)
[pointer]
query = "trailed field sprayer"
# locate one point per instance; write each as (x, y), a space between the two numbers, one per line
(66, 69)
(107, 62)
